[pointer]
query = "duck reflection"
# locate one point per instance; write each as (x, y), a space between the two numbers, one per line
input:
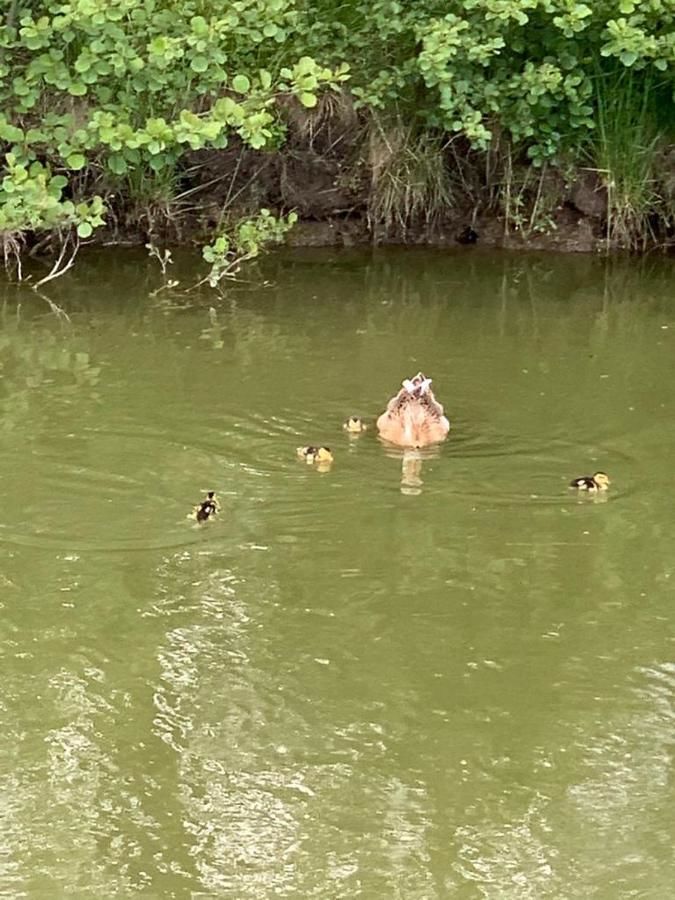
(412, 465)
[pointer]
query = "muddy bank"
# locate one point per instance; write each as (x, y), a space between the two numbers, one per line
(577, 235)
(332, 202)
(349, 187)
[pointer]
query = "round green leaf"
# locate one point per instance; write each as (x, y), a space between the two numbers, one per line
(199, 64)
(308, 100)
(117, 164)
(84, 230)
(76, 161)
(199, 25)
(240, 84)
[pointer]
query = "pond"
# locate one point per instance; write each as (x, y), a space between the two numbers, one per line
(353, 682)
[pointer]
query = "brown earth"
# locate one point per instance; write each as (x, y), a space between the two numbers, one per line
(325, 171)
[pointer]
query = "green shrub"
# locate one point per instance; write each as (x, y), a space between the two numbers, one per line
(108, 92)
(124, 86)
(241, 242)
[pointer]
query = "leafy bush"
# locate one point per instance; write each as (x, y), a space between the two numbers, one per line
(101, 93)
(120, 86)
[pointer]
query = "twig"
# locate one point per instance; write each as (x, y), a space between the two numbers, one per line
(55, 308)
(229, 273)
(11, 248)
(234, 176)
(11, 15)
(164, 259)
(59, 268)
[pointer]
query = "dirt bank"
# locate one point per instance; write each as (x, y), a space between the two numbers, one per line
(349, 187)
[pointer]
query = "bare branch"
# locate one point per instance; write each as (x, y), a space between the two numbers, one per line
(60, 268)
(11, 251)
(11, 15)
(58, 311)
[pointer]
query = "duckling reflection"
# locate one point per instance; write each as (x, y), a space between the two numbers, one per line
(414, 418)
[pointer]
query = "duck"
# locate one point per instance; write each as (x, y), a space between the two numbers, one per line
(468, 236)
(414, 418)
(207, 508)
(593, 483)
(315, 454)
(354, 425)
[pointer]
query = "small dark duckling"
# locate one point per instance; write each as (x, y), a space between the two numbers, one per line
(591, 483)
(207, 508)
(315, 454)
(354, 425)
(468, 236)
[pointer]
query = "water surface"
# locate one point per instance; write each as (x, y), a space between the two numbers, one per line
(346, 686)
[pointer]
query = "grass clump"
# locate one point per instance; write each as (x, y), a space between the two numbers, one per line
(626, 150)
(410, 180)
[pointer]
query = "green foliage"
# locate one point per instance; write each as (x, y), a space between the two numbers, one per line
(31, 199)
(243, 241)
(624, 151)
(125, 86)
(469, 68)
(117, 92)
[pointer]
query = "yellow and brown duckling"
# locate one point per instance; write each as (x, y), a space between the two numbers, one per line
(315, 455)
(207, 508)
(354, 425)
(591, 483)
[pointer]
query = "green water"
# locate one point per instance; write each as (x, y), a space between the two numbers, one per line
(345, 686)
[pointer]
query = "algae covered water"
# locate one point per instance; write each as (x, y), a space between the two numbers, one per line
(445, 677)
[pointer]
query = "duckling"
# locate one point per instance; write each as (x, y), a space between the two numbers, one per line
(592, 483)
(315, 454)
(468, 236)
(207, 508)
(354, 425)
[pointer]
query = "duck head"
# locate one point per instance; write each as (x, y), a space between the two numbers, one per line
(414, 418)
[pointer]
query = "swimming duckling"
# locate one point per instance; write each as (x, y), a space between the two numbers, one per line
(592, 483)
(315, 454)
(354, 425)
(208, 507)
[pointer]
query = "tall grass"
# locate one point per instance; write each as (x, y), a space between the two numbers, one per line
(625, 152)
(410, 181)
(149, 199)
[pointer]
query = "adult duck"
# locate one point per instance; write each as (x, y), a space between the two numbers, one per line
(414, 418)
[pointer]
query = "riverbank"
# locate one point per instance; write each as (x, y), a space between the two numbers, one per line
(326, 175)
(511, 124)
